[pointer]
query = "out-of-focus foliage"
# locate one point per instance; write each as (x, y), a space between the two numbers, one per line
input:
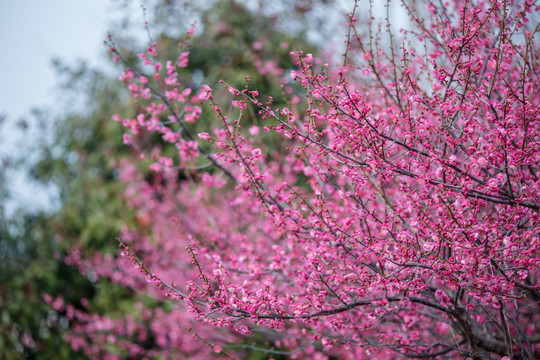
(28, 270)
(80, 158)
(77, 162)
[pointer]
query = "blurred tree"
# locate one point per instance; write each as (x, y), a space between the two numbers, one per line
(32, 245)
(38, 287)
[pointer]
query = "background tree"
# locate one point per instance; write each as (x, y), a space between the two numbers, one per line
(40, 292)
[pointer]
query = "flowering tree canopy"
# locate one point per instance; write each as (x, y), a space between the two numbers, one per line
(394, 214)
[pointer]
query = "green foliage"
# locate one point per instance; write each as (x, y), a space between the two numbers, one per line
(79, 162)
(28, 270)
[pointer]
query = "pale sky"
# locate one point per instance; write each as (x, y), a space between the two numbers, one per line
(32, 32)
(35, 31)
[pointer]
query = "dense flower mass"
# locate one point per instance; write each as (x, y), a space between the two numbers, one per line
(398, 216)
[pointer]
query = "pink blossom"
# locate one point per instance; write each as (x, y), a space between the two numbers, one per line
(256, 152)
(183, 59)
(166, 161)
(239, 104)
(204, 136)
(126, 139)
(254, 130)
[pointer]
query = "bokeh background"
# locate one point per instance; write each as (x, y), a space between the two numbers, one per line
(59, 187)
